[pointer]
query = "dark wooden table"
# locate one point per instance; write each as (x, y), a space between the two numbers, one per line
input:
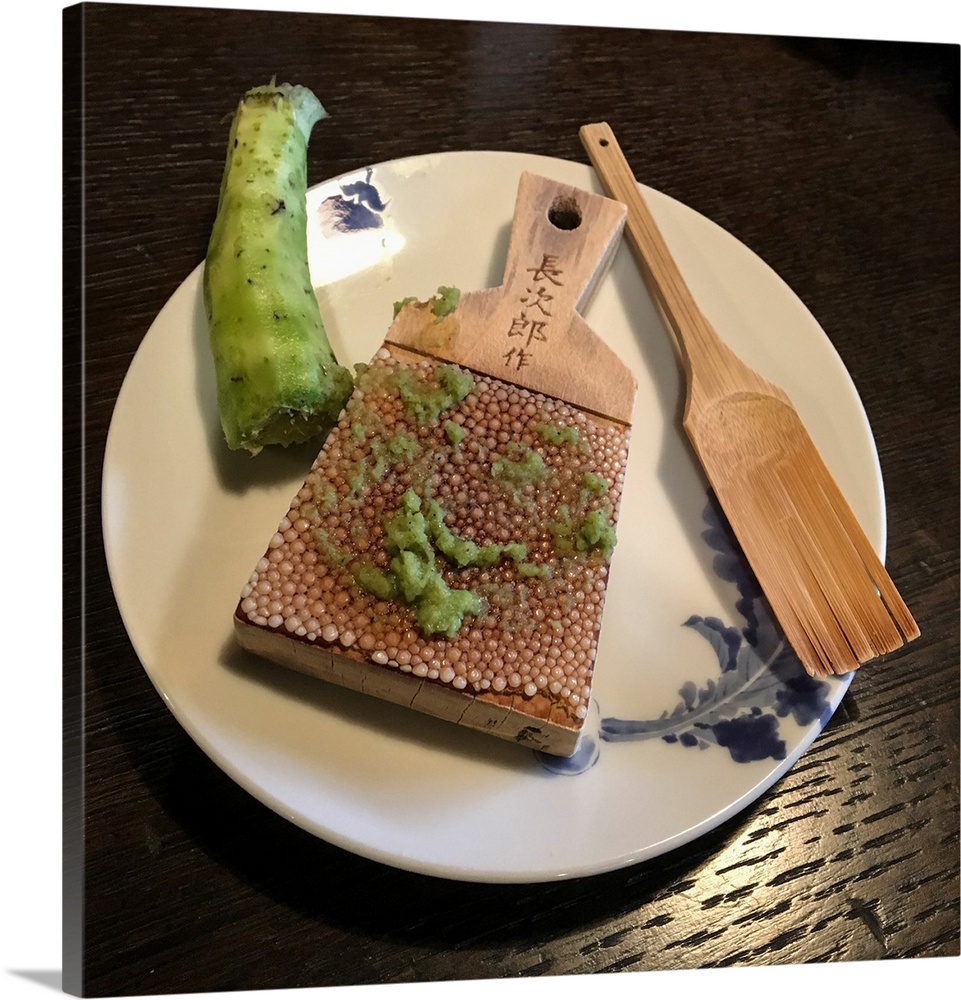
(837, 162)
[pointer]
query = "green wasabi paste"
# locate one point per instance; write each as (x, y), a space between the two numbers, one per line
(514, 473)
(593, 532)
(442, 304)
(413, 576)
(399, 447)
(593, 483)
(553, 434)
(413, 537)
(425, 399)
(454, 432)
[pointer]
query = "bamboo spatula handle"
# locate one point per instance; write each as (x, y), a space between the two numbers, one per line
(711, 366)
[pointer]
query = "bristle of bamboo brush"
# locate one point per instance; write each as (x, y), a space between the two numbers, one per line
(821, 576)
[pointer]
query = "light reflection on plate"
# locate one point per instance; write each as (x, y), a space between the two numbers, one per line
(352, 231)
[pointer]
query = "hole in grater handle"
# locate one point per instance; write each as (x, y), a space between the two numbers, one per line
(564, 213)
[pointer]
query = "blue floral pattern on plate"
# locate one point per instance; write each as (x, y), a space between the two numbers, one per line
(760, 681)
(358, 207)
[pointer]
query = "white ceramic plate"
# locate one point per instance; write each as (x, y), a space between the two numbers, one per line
(696, 712)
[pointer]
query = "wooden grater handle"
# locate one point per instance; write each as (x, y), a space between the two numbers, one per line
(529, 330)
(562, 239)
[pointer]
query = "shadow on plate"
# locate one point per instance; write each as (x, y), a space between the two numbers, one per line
(396, 723)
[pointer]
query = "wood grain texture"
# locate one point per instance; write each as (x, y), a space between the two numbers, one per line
(837, 163)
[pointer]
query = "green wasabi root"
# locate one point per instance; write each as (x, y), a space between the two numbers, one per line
(278, 381)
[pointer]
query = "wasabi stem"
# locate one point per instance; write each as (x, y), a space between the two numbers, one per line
(278, 381)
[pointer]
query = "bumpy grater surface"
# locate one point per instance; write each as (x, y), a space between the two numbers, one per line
(531, 481)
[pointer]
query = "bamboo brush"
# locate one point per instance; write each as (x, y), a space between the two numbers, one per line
(826, 585)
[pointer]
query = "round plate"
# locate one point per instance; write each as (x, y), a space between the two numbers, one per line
(697, 708)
